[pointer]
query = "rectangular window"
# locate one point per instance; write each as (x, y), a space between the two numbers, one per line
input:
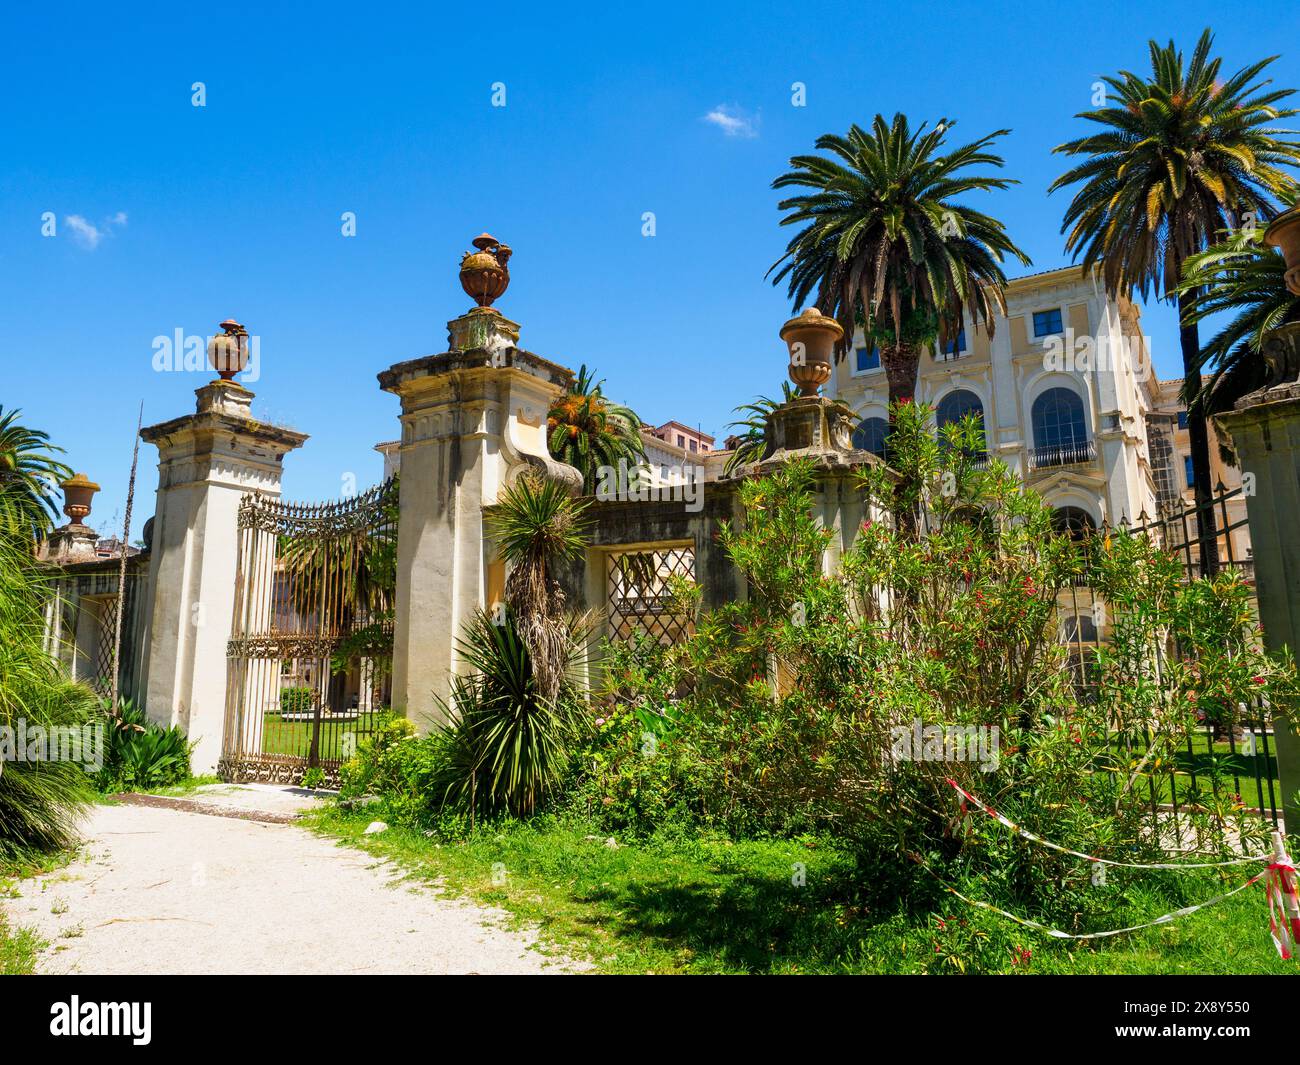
(1191, 476)
(868, 359)
(1182, 419)
(681, 441)
(1048, 323)
(695, 446)
(957, 346)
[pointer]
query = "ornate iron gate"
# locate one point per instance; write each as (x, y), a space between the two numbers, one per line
(311, 642)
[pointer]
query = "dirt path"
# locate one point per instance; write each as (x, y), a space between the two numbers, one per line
(168, 891)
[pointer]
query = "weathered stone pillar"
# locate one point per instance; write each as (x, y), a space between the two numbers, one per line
(1265, 430)
(473, 418)
(207, 462)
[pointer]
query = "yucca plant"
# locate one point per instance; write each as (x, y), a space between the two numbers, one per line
(139, 753)
(1183, 154)
(587, 431)
(538, 526)
(507, 746)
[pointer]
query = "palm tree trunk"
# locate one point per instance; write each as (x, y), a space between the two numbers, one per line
(901, 364)
(1198, 430)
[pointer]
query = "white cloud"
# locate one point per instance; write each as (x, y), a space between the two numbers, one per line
(733, 121)
(89, 235)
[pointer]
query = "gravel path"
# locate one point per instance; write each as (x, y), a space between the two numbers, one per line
(167, 891)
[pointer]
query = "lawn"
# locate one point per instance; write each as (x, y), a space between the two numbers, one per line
(715, 906)
(294, 737)
(1250, 776)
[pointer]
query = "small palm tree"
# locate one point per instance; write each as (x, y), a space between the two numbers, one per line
(587, 431)
(1244, 279)
(538, 526)
(885, 243)
(754, 436)
(514, 717)
(29, 475)
(1184, 156)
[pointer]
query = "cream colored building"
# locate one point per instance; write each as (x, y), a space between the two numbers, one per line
(1174, 475)
(1063, 386)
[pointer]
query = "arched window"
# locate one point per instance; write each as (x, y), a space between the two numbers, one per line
(870, 435)
(1058, 419)
(1074, 522)
(957, 405)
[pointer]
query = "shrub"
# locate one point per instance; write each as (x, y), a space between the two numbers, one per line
(139, 753)
(299, 700)
(798, 706)
(40, 801)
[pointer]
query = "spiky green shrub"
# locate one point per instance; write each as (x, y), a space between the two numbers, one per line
(40, 801)
(508, 746)
(139, 753)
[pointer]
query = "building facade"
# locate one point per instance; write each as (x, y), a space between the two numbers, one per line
(1067, 396)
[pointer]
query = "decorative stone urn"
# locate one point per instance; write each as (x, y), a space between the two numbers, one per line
(228, 351)
(485, 273)
(1284, 233)
(811, 338)
(77, 494)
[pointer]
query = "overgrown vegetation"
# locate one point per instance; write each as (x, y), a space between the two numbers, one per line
(789, 718)
(40, 800)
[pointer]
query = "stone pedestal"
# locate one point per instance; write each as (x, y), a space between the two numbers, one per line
(1265, 430)
(69, 543)
(820, 430)
(473, 419)
(207, 462)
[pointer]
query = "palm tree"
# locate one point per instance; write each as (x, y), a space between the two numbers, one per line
(754, 437)
(513, 718)
(29, 473)
(884, 242)
(587, 431)
(1244, 279)
(1184, 156)
(537, 526)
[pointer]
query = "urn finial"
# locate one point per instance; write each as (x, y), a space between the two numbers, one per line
(485, 273)
(78, 491)
(811, 338)
(228, 352)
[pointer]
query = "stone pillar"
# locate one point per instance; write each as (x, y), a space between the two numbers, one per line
(207, 462)
(473, 418)
(1265, 430)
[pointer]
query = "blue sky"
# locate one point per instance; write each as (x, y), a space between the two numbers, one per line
(189, 215)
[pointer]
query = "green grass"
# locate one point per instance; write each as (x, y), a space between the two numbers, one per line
(715, 906)
(294, 737)
(20, 947)
(186, 787)
(1203, 759)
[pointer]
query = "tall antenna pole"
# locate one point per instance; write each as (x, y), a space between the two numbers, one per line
(121, 573)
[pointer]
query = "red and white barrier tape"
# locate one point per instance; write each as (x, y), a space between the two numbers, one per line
(1020, 831)
(1280, 886)
(1056, 933)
